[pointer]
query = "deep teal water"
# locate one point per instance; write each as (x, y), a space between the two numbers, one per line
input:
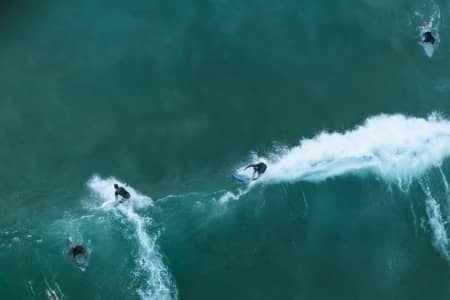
(172, 97)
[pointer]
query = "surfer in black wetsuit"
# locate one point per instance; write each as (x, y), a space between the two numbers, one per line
(77, 253)
(77, 250)
(122, 192)
(258, 169)
(427, 36)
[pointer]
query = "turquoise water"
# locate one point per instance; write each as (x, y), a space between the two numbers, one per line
(171, 98)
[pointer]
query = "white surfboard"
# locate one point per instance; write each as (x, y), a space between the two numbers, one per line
(428, 48)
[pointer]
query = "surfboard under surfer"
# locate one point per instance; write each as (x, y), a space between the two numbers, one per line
(425, 33)
(121, 193)
(258, 169)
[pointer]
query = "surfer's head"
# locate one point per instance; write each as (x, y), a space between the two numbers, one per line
(77, 250)
(429, 38)
(116, 186)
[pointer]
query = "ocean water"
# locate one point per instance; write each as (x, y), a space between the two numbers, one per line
(169, 98)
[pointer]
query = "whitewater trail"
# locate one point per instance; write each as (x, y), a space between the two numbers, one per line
(395, 148)
(150, 266)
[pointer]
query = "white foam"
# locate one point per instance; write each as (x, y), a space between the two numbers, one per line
(446, 186)
(436, 221)
(158, 282)
(395, 147)
(104, 188)
(227, 195)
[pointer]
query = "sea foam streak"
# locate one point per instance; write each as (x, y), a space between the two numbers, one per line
(158, 282)
(435, 220)
(396, 148)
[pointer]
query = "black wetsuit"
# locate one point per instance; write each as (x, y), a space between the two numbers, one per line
(428, 38)
(122, 192)
(259, 168)
(77, 250)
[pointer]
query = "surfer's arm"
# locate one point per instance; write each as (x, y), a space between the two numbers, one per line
(249, 166)
(115, 195)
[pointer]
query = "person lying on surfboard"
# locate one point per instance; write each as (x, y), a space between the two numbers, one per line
(79, 255)
(77, 250)
(122, 192)
(258, 169)
(425, 33)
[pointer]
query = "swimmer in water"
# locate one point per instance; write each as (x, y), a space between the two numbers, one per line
(77, 250)
(77, 253)
(425, 33)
